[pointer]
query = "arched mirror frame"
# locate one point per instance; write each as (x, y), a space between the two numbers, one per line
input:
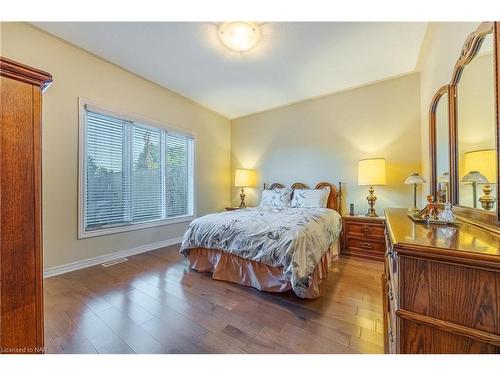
(470, 49)
(432, 136)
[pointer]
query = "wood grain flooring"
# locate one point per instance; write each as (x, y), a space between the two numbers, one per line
(155, 304)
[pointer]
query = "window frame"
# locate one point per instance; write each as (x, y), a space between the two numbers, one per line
(82, 144)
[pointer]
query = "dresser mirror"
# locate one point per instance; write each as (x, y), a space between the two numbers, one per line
(475, 130)
(440, 145)
(464, 132)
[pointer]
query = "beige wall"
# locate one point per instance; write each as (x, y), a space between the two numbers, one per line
(80, 74)
(323, 139)
(442, 46)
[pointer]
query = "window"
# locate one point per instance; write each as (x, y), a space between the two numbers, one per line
(133, 175)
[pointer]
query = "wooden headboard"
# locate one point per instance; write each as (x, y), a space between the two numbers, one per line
(334, 199)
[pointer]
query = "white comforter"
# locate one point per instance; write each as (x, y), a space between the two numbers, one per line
(293, 238)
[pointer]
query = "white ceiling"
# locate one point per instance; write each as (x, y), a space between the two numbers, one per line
(293, 60)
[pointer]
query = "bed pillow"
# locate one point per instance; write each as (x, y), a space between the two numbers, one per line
(278, 198)
(310, 198)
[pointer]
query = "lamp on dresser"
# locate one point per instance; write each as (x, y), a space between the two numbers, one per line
(414, 179)
(371, 172)
(244, 178)
(480, 168)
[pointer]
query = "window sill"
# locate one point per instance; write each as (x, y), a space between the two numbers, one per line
(82, 234)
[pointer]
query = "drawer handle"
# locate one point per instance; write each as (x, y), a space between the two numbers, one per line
(366, 230)
(366, 245)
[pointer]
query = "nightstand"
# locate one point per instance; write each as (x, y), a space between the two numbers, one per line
(363, 237)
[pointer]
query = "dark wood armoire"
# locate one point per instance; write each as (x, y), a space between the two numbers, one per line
(21, 263)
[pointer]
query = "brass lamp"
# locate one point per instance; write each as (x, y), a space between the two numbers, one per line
(414, 179)
(244, 178)
(371, 172)
(480, 167)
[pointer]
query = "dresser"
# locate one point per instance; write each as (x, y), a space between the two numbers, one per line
(441, 287)
(363, 237)
(21, 293)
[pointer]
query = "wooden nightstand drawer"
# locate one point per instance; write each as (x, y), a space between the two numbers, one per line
(358, 244)
(368, 230)
(363, 237)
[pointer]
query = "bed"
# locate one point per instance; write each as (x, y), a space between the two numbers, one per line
(270, 248)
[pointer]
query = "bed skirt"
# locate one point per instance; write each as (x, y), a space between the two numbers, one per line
(235, 269)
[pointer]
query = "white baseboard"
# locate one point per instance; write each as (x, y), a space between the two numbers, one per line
(53, 271)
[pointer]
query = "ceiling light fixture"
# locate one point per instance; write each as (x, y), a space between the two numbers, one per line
(239, 36)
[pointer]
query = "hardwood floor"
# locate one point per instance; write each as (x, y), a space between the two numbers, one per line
(155, 304)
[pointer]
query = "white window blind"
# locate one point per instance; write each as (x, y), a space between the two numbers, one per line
(134, 173)
(106, 191)
(148, 173)
(178, 179)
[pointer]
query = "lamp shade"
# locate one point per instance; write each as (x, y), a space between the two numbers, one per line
(245, 177)
(482, 161)
(371, 172)
(414, 179)
(474, 176)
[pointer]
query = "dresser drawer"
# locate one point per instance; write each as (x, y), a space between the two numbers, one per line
(391, 265)
(366, 230)
(391, 320)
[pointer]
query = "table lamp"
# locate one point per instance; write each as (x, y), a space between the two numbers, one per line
(480, 167)
(371, 172)
(244, 178)
(414, 179)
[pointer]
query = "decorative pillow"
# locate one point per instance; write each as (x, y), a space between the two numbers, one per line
(310, 198)
(278, 198)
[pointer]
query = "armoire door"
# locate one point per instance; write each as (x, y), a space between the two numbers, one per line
(21, 262)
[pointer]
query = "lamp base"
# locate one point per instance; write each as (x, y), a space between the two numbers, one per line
(487, 201)
(371, 202)
(414, 209)
(242, 197)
